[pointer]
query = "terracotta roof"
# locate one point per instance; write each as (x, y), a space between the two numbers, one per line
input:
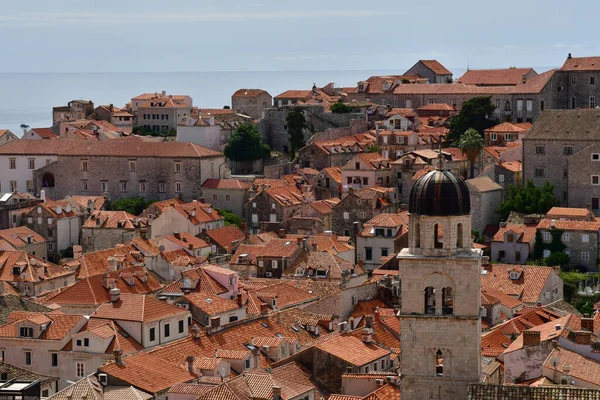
(37, 147)
(586, 226)
(347, 144)
(227, 237)
(186, 240)
(137, 307)
(436, 67)
(568, 213)
(246, 254)
(191, 388)
(508, 76)
(548, 331)
(45, 133)
(495, 295)
(514, 166)
(249, 92)
(285, 195)
(61, 324)
(200, 281)
(19, 237)
(484, 184)
(315, 261)
(352, 350)
(508, 127)
(196, 212)
(90, 290)
(524, 233)
(114, 219)
(582, 368)
(115, 148)
(324, 206)
(528, 288)
(210, 304)
(31, 268)
(286, 295)
(581, 64)
(571, 125)
(98, 262)
(437, 107)
(226, 184)
(294, 94)
(148, 372)
(367, 307)
(373, 161)
(279, 248)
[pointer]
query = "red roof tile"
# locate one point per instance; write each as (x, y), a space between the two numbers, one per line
(508, 76)
(227, 237)
(137, 307)
(352, 350)
(225, 184)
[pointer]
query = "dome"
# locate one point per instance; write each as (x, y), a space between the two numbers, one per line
(439, 193)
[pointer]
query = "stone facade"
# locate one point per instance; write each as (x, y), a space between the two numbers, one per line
(264, 207)
(584, 178)
(357, 206)
(486, 197)
(60, 229)
(74, 110)
(427, 69)
(251, 102)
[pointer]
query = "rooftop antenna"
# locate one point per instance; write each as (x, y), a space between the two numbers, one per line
(440, 165)
(468, 66)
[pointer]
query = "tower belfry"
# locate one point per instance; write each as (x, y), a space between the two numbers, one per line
(440, 326)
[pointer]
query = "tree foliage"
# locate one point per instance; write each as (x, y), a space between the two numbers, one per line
(133, 205)
(230, 217)
(340, 108)
(143, 131)
(246, 144)
(471, 144)
(475, 113)
(296, 124)
(528, 199)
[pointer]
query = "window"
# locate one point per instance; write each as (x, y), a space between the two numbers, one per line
(595, 203)
(177, 166)
(429, 300)
(181, 326)
(493, 137)
(30, 187)
(368, 253)
(542, 105)
(31, 163)
(362, 215)
(26, 332)
(501, 178)
(567, 150)
(13, 186)
(529, 105)
(592, 101)
(595, 156)
(384, 252)
(346, 215)
(366, 369)
(247, 364)
(383, 364)
(54, 357)
(507, 106)
(572, 80)
(585, 238)
(517, 256)
(274, 264)
(131, 166)
(215, 197)
(595, 180)
(539, 173)
(547, 236)
(12, 163)
(84, 165)
(178, 187)
(540, 150)
(510, 238)
(232, 318)
(2, 355)
(447, 301)
(519, 105)
(152, 334)
(161, 187)
(104, 186)
(86, 342)
(566, 236)
(123, 185)
(27, 358)
(389, 232)
(585, 256)
(142, 185)
(431, 101)
(498, 102)
(573, 102)
(84, 186)
(80, 369)
(437, 242)
(167, 330)
(439, 363)
(50, 246)
(408, 103)
(78, 342)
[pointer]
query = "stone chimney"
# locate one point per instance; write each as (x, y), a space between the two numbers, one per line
(112, 264)
(367, 335)
(105, 280)
(115, 295)
(77, 251)
(196, 332)
(43, 196)
(239, 299)
(377, 314)
(281, 233)
(189, 360)
(264, 309)
(118, 354)
(277, 393)
(531, 338)
(587, 324)
(583, 337)
(369, 321)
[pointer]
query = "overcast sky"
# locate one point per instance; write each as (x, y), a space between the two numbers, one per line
(249, 35)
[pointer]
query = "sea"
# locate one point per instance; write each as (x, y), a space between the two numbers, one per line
(28, 98)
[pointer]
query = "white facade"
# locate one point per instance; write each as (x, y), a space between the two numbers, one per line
(16, 171)
(207, 136)
(67, 230)
(171, 221)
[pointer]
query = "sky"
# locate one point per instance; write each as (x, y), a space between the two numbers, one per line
(284, 35)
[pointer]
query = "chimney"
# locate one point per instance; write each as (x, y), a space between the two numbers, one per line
(77, 251)
(112, 264)
(143, 234)
(314, 244)
(59, 209)
(305, 244)
(264, 309)
(117, 354)
(115, 295)
(164, 92)
(367, 335)
(196, 331)
(239, 299)
(299, 241)
(583, 337)
(43, 196)
(177, 235)
(369, 321)
(189, 360)
(552, 223)
(281, 233)
(569, 57)
(105, 280)
(587, 324)
(531, 338)
(361, 263)
(277, 393)
(377, 314)
(111, 108)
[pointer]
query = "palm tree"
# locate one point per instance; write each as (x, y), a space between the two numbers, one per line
(471, 144)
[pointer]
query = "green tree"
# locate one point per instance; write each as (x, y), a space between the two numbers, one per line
(557, 258)
(133, 205)
(296, 124)
(230, 217)
(528, 199)
(471, 144)
(226, 107)
(340, 108)
(246, 144)
(143, 131)
(475, 113)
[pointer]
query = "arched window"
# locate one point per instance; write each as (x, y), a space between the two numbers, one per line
(429, 300)
(48, 180)
(417, 235)
(439, 363)
(507, 106)
(438, 234)
(447, 301)
(459, 236)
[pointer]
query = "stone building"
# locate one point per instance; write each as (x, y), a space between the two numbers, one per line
(106, 229)
(126, 168)
(251, 102)
(486, 196)
(432, 70)
(226, 194)
(328, 183)
(118, 117)
(552, 145)
(274, 204)
(278, 255)
(584, 178)
(24, 239)
(440, 337)
(359, 206)
(381, 236)
(366, 170)
(325, 153)
(160, 111)
(75, 109)
(496, 77)
(513, 244)
(13, 207)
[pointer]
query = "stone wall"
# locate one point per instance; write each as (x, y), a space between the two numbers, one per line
(94, 239)
(340, 305)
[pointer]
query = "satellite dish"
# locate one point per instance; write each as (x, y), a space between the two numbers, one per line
(161, 248)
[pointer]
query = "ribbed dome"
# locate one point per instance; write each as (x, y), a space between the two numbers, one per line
(439, 193)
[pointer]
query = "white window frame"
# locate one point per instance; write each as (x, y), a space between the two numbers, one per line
(178, 187)
(346, 215)
(566, 236)
(547, 236)
(529, 105)
(585, 238)
(493, 136)
(546, 253)
(595, 157)
(274, 264)
(595, 180)
(501, 178)
(79, 369)
(162, 186)
(585, 256)
(519, 105)
(592, 101)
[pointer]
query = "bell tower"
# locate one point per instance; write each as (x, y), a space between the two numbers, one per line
(440, 325)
